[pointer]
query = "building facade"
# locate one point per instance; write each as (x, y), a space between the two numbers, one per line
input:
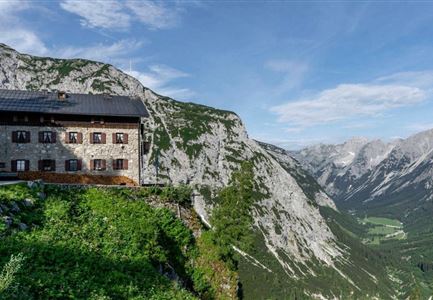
(71, 134)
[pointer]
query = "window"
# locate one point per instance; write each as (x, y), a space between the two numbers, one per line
(120, 164)
(21, 165)
(2, 165)
(21, 136)
(97, 164)
(97, 138)
(47, 165)
(47, 137)
(73, 165)
(119, 138)
(73, 137)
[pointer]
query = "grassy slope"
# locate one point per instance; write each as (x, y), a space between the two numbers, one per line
(108, 244)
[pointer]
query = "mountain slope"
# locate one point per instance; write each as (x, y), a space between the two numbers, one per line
(202, 146)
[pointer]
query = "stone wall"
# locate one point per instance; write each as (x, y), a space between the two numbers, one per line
(61, 151)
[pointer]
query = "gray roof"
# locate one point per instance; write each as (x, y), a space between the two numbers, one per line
(74, 104)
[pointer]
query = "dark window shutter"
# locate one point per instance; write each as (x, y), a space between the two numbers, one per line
(125, 164)
(79, 165)
(103, 138)
(14, 137)
(53, 137)
(41, 136)
(92, 164)
(13, 165)
(53, 165)
(27, 165)
(146, 147)
(125, 138)
(103, 164)
(67, 168)
(40, 165)
(67, 137)
(114, 164)
(28, 136)
(91, 138)
(113, 135)
(79, 138)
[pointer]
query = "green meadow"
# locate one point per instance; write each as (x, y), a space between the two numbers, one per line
(380, 229)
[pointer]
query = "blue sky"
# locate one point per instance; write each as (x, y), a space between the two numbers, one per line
(297, 72)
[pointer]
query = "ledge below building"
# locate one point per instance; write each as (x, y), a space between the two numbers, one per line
(76, 178)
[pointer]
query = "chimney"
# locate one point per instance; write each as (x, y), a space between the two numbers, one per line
(61, 95)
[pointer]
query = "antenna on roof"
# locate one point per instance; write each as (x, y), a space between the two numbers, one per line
(130, 66)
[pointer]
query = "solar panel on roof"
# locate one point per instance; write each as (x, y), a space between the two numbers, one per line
(75, 104)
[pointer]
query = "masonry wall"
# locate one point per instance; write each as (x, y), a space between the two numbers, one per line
(61, 151)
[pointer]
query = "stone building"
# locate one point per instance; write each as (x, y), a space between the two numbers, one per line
(71, 133)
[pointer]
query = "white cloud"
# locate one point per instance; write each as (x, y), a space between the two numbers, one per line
(119, 15)
(421, 79)
(154, 14)
(100, 51)
(12, 5)
(347, 101)
(23, 40)
(13, 33)
(293, 71)
(160, 77)
(417, 127)
(99, 13)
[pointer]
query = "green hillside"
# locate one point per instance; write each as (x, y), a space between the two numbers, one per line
(108, 244)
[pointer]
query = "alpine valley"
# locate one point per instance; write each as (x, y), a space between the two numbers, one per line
(387, 186)
(374, 242)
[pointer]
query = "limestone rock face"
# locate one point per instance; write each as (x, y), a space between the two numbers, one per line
(201, 146)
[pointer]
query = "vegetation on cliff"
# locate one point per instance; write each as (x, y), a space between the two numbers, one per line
(93, 243)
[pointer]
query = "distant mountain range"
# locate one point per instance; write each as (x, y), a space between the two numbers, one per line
(393, 178)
